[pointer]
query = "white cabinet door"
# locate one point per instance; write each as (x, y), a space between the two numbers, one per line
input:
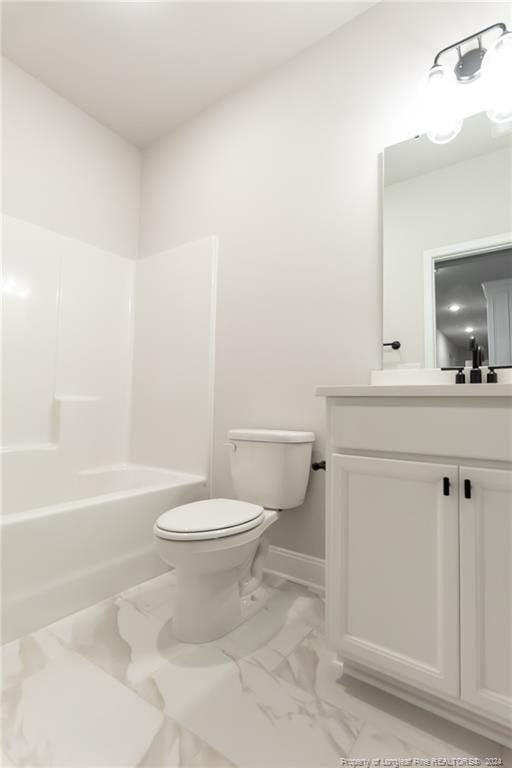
(392, 568)
(486, 589)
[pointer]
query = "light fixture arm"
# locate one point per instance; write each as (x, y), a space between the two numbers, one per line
(475, 36)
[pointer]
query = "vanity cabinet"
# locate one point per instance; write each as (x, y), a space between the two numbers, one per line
(486, 590)
(397, 535)
(419, 551)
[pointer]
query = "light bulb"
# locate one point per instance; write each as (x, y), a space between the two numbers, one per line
(454, 307)
(442, 118)
(497, 76)
(469, 329)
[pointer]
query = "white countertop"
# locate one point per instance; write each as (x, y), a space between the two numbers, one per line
(414, 390)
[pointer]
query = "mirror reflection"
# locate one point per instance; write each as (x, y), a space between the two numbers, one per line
(447, 273)
(472, 305)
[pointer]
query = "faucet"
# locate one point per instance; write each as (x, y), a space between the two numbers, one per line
(475, 375)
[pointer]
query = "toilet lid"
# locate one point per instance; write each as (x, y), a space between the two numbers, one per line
(209, 519)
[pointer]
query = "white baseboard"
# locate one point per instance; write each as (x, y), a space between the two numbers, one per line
(304, 569)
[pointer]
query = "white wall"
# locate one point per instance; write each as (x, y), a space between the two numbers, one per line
(173, 357)
(462, 202)
(70, 234)
(71, 344)
(286, 173)
(63, 170)
(448, 354)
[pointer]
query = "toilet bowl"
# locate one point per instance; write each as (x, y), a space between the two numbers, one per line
(218, 547)
(215, 570)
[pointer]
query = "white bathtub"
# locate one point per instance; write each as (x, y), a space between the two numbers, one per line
(93, 541)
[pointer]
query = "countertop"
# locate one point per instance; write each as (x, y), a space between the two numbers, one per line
(414, 390)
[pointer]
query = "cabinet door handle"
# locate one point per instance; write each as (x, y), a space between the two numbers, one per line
(467, 489)
(446, 486)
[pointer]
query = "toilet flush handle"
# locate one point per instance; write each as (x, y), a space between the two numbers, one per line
(231, 445)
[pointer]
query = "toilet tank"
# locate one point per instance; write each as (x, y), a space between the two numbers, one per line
(271, 467)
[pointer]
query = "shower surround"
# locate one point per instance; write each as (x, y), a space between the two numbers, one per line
(93, 353)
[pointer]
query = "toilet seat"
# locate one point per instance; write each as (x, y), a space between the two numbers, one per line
(208, 519)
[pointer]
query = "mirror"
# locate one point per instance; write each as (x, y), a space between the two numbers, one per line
(447, 272)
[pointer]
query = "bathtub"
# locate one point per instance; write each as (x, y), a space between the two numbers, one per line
(94, 540)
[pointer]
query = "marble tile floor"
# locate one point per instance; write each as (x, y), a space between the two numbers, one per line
(110, 686)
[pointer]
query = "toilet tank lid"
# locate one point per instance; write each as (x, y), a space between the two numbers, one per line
(271, 435)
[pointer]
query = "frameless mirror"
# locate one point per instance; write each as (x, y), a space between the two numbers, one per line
(447, 275)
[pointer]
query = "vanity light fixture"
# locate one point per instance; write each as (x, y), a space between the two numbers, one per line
(486, 54)
(454, 307)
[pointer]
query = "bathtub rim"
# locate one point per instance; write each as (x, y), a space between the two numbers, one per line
(179, 480)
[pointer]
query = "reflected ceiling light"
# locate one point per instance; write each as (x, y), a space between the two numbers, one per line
(486, 54)
(469, 329)
(454, 307)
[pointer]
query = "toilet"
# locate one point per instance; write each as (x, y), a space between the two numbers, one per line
(217, 546)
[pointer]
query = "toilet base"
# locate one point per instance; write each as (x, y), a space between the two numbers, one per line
(254, 602)
(217, 611)
(218, 581)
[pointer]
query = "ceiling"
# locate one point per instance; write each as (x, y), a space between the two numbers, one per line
(143, 67)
